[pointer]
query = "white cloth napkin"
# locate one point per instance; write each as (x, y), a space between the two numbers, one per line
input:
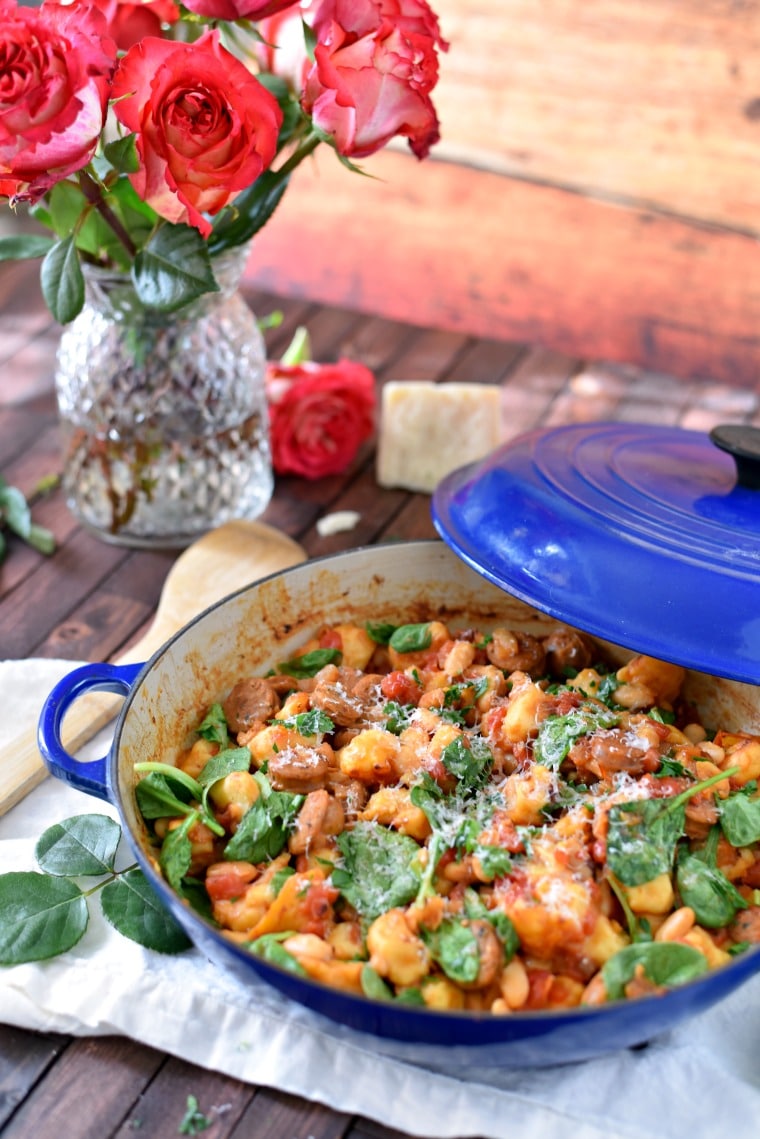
(702, 1079)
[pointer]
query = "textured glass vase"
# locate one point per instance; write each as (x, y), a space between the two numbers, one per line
(164, 417)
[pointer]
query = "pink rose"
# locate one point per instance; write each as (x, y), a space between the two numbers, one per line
(130, 21)
(206, 128)
(319, 415)
(55, 67)
(237, 9)
(282, 49)
(375, 64)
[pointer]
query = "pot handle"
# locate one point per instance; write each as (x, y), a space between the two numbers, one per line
(89, 777)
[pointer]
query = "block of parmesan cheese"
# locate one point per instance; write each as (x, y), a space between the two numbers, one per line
(427, 430)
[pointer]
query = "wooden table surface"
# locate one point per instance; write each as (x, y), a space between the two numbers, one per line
(91, 599)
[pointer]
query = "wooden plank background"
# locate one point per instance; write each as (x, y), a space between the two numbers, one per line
(596, 189)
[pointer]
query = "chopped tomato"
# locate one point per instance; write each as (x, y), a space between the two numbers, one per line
(401, 688)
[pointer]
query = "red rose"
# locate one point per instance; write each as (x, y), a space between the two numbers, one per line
(206, 128)
(375, 64)
(238, 9)
(319, 415)
(55, 67)
(130, 21)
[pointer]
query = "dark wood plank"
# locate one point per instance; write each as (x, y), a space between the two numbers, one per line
(160, 1109)
(54, 590)
(276, 1115)
(24, 1059)
(88, 1092)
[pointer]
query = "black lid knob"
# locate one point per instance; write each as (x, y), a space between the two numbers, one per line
(743, 442)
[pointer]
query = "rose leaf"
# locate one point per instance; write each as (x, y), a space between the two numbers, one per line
(133, 908)
(40, 916)
(81, 846)
(62, 280)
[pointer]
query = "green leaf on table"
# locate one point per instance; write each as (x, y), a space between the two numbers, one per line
(24, 246)
(81, 846)
(14, 510)
(378, 870)
(173, 269)
(132, 907)
(193, 1121)
(40, 916)
(62, 280)
(666, 963)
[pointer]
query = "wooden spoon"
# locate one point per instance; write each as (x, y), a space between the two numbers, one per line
(219, 563)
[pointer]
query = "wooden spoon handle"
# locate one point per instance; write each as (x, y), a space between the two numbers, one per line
(219, 563)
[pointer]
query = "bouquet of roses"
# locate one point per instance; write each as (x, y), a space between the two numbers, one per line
(149, 136)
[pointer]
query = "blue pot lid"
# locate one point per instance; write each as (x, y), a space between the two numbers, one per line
(648, 537)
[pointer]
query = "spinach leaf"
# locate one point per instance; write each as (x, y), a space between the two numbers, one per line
(740, 818)
(470, 765)
(374, 986)
(213, 727)
(457, 823)
(159, 794)
(312, 723)
(494, 861)
(269, 947)
(264, 828)
(642, 838)
(667, 963)
(82, 846)
(643, 834)
(557, 734)
(177, 852)
(379, 631)
(398, 717)
(455, 947)
(714, 899)
(310, 663)
(638, 930)
(379, 869)
(475, 909)
(221, 765)
(411, 638)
